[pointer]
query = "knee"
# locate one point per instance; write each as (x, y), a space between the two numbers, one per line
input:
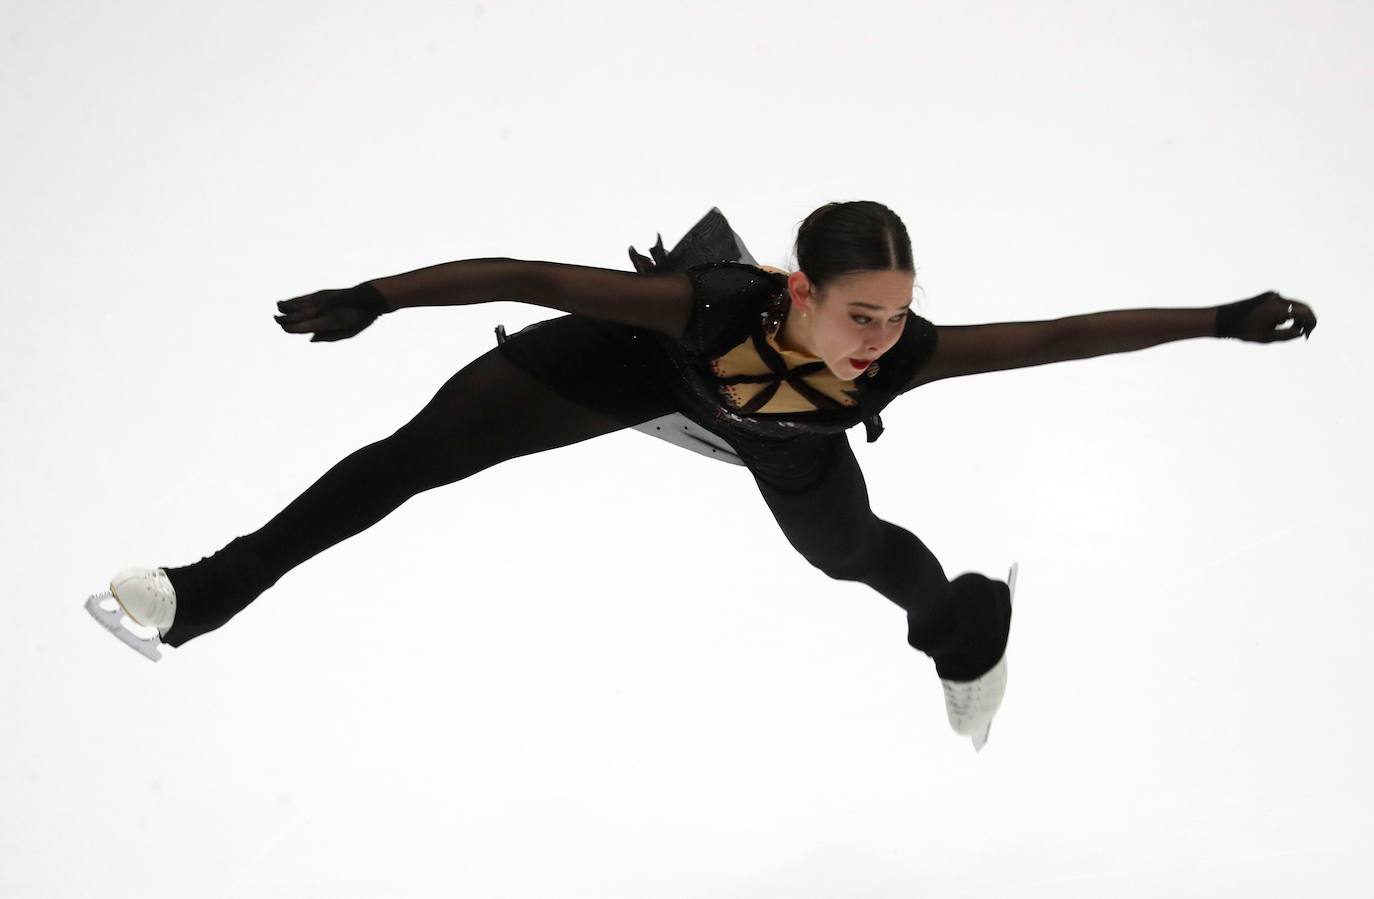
(852, 553)
(842, 554)
(840, 563)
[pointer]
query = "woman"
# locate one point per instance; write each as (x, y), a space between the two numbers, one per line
(771, 367)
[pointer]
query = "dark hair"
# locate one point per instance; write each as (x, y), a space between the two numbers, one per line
(846, 238)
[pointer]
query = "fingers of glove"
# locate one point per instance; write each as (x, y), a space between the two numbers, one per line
(1303, 318)
(323, 307)
(296, 318)
(297, 306)
(329, 336)
(311, 310)
(336, 318)
(291, 321)
(304, 325)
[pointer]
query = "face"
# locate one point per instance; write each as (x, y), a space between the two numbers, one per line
(857, 319)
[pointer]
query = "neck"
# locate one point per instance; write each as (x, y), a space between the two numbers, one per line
(794, 335)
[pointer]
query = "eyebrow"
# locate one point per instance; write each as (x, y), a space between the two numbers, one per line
(879, 308)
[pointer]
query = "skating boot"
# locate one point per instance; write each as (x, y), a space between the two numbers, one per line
(146, 596)
(972, 704)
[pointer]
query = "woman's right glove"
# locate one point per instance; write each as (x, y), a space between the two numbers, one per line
(1258, 318)
(332, 314)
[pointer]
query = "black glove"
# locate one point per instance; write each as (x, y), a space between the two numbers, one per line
(1258, 318)
(332, 314)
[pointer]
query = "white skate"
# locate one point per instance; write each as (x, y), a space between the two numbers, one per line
(146, 597)
(971, 705)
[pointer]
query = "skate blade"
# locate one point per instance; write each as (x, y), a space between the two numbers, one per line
(110, 619)
(981, 740)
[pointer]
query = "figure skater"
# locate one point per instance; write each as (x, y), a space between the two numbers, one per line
(768, 366)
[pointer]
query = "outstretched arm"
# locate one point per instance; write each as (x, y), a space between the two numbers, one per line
(965, 349)
(1127, 330)
(659, 301)
(1259, 319)
(971, 349)
(962, 350)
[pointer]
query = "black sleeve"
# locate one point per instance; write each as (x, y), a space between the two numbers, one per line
(916, 346)
(706, 307)
(658, 301)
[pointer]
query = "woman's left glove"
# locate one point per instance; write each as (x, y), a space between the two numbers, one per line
(1258, 318)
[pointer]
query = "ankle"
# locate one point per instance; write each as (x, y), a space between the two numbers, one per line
(974, 640)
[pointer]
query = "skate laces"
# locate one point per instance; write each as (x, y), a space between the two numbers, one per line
(962, 697)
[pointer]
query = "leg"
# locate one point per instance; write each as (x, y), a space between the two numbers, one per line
(817, 493)
(490, 411)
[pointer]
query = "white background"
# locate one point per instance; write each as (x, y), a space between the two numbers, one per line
(602, 671)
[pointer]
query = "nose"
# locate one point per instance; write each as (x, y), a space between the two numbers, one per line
(878, 341)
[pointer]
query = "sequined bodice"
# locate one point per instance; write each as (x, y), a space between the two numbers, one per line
(733, 374)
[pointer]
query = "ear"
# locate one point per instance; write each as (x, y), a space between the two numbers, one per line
(799, 287)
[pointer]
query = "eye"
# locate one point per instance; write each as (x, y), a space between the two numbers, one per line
(866, 319)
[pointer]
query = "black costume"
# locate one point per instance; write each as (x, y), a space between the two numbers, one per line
(573, 377)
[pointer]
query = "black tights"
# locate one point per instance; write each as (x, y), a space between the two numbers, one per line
(493, 410)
